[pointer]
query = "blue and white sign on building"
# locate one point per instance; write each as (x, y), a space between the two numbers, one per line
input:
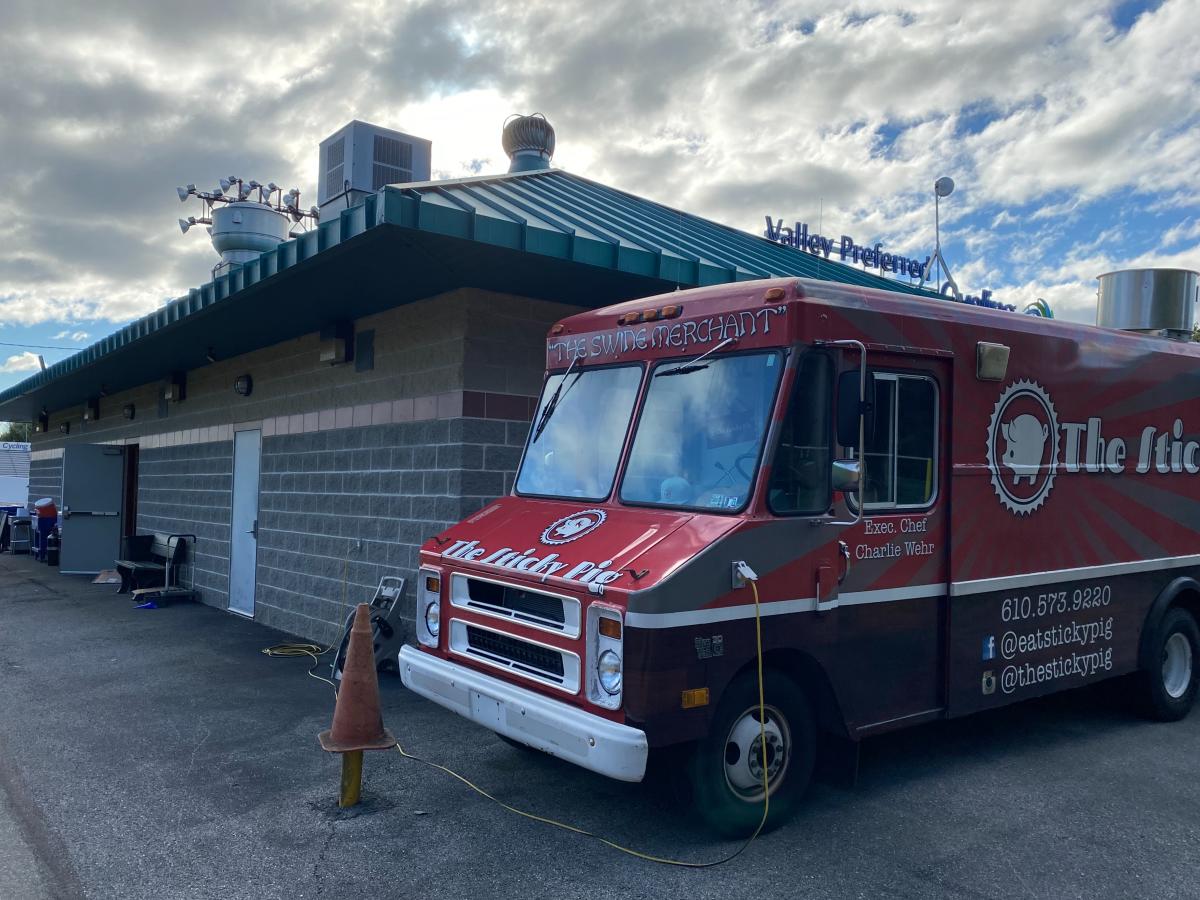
(849, 251)
(14, 473)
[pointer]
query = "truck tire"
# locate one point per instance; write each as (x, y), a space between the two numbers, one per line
(1168, 686)
(726, 769)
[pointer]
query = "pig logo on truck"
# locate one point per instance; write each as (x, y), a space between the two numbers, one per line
(1022, 446)
(572, 527)
(1026, 438)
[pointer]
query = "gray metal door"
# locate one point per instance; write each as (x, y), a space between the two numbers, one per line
(93, 490)
(243, 538)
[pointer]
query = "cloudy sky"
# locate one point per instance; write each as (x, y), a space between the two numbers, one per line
(1070, 128)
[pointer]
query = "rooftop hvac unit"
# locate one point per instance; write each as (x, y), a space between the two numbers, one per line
(361, 158)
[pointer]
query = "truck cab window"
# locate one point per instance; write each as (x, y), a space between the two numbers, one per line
(576, 437)
(900, 456)
(700, 432)
(800, 471)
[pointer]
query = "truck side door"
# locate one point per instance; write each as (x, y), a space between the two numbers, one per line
(891, 607)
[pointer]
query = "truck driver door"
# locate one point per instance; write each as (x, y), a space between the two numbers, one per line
(799, 480)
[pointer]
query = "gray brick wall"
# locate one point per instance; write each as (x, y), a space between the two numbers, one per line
(324, 487)
(340, 509)
(187, 489)
(45, 479)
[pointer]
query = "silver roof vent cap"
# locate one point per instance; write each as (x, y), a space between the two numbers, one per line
(529, 142)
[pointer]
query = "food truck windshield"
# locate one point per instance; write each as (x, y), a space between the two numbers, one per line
(697, 440)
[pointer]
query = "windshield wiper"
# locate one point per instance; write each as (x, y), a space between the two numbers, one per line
(689, 368)
(552, 403)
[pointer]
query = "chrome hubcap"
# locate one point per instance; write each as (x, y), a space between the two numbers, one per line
(1177, 665)
(744, 753)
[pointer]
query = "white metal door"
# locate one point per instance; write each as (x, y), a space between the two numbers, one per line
(243, 539)
(93, 490)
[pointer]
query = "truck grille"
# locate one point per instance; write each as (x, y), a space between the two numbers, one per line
(549, 612)
(548, 665)
(515, 652)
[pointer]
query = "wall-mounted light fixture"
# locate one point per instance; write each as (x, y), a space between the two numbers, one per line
(128, 411)
(91, 410)
(42, 425)
(65, 427)
(243, 385)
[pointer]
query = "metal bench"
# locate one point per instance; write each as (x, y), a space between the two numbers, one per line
(150, 560)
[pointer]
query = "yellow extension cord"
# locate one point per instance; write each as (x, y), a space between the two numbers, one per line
(313, 651)
(762, 740)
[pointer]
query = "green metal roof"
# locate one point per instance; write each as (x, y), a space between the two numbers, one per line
(558, 214)
(547, 234)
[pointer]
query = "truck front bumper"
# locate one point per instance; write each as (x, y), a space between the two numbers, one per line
(559, 729)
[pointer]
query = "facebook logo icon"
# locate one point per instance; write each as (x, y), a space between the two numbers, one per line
(989, 647)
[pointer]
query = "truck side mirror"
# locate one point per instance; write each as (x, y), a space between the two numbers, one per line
(849, 405)
(847, 475)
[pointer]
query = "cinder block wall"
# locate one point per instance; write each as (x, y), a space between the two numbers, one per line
(186, 490)
(387, 456)
(340, 509)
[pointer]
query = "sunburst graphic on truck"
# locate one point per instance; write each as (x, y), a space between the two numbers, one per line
(1022, 473)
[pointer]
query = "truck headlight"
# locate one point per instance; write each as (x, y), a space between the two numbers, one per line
(608, 671)
(429, 607)
(606, 655)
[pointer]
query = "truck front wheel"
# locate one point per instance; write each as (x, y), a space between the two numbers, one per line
(1169, 684)
(727, 766)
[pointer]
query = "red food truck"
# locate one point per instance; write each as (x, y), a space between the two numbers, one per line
(946, 509)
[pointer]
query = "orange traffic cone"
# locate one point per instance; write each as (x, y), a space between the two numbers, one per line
(357, 718)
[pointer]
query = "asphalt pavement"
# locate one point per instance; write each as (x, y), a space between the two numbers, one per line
(158, 754)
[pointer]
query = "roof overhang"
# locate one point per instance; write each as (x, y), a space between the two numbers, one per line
(547, 235)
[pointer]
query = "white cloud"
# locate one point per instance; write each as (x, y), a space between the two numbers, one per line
(1044, 113)
(21, 362)
(1187, 230)
(69, 335)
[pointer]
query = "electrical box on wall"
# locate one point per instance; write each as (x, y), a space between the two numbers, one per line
(175, 388)
(337, 343)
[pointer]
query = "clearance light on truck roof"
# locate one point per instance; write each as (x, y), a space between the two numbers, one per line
(673, 311)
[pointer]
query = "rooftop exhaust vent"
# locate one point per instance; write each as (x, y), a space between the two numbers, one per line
(529, 142)
(1159, 302)
(245, 218)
